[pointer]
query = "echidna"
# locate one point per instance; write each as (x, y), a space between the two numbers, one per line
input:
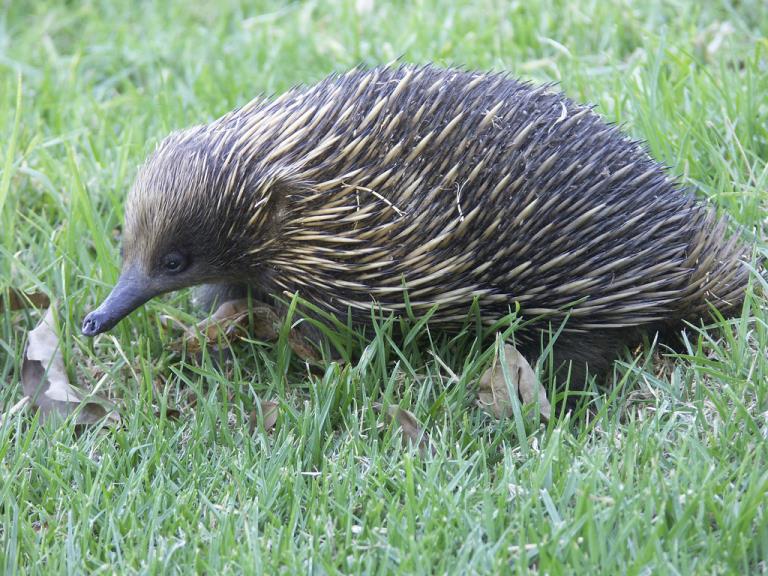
(450, 184)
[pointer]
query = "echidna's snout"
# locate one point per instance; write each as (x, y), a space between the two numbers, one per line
(131, 291)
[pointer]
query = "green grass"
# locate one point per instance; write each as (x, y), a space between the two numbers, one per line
(666, 473)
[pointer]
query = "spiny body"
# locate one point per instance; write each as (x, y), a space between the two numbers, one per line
(452, 185)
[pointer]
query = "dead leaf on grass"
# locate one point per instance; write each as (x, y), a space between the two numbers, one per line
(301, 347)
(269, 411)
(413, 433)
(13, 299)
(44, 379)
(494, 392)
(171, 414)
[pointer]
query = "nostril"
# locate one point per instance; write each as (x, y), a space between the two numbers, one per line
(90, 326)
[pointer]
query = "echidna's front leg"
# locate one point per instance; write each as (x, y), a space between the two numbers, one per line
(225, 303)
(209, 297)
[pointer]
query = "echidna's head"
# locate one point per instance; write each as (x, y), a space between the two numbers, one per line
(193, 216)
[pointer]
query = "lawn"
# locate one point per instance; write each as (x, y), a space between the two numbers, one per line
(666, 472)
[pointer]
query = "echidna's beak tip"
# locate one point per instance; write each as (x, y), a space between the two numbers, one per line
(130, 292)
(93, 324)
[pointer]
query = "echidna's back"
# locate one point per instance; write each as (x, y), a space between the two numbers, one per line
(460, 185)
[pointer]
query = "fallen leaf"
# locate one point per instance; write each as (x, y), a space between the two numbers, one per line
(413, 433)
(16, 300)
(301, 347)
(269, 411)
(494, 392)
(172, 414)
(44, 379)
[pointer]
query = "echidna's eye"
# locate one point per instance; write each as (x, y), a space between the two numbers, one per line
(174, 262)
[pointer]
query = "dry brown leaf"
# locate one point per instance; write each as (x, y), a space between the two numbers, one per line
(269, 411)
(171, 414)
(236, 319)
(413, 433)
(301, 347)
(494, 393)
(13, 299)
(44, 379)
